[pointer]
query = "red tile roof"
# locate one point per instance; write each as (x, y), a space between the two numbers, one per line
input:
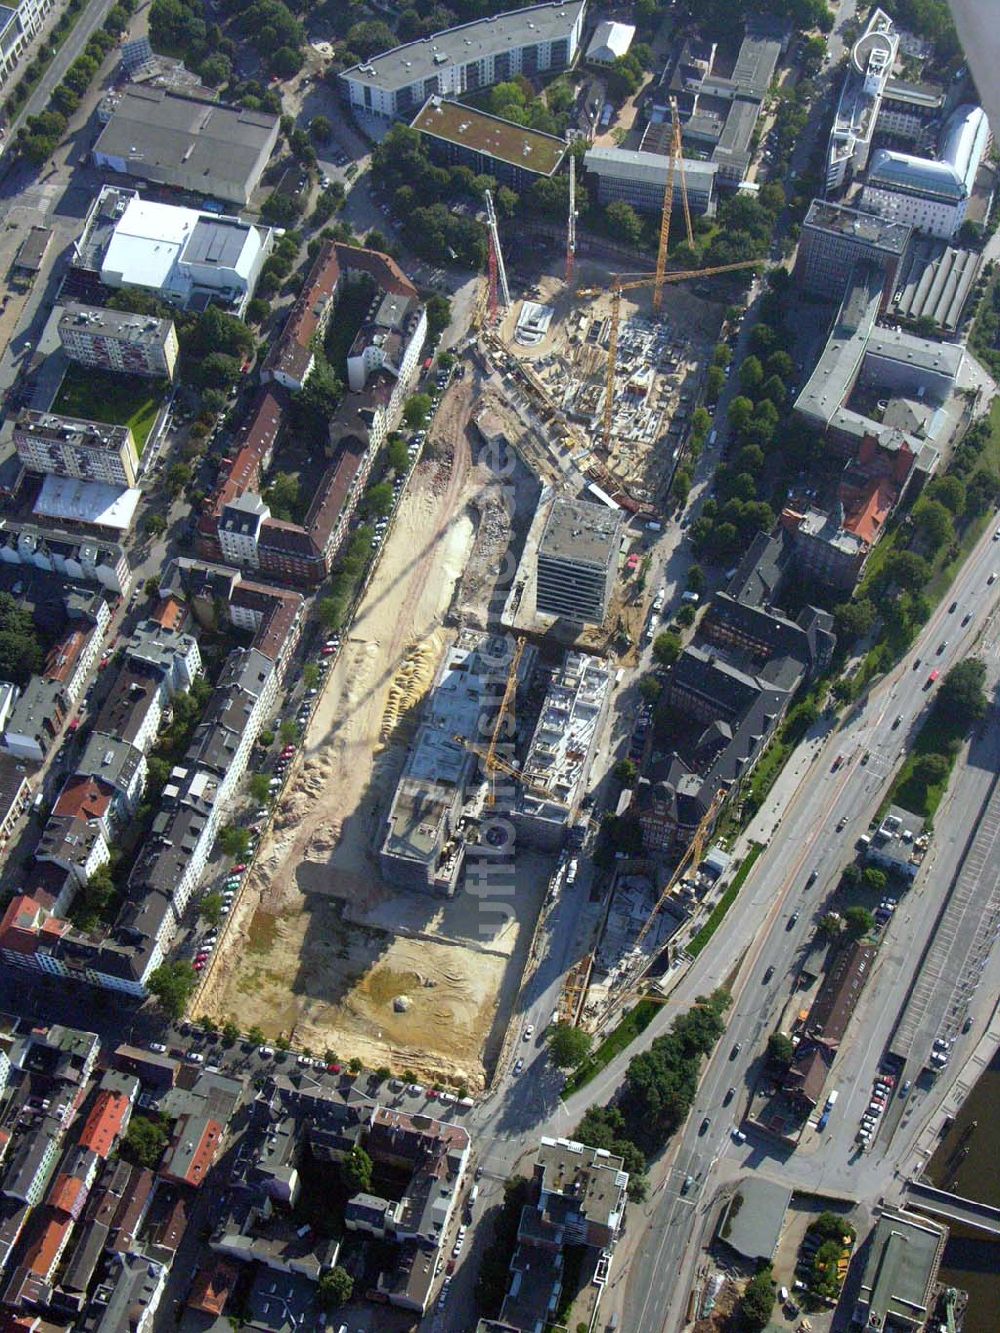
(24, 924)
(83, 798)
(65, 1193)
(107, 1120)
(212, 1287)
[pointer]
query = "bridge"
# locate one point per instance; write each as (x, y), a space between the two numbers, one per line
(953, 1208)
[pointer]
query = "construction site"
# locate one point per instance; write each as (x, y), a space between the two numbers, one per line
(358, 935)
(322, 949)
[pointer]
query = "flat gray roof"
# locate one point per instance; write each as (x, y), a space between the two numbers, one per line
(903, 1259)
(836, 370)
(651, 168)
(580, 531)
(752, 1223)
(890, 236)
(404, 65)
(755, 64)
(216, 242)
(162, 132)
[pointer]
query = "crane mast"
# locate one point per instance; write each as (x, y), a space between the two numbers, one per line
(571, 222)
(500, 292)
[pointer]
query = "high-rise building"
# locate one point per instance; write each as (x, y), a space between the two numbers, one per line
(71, 447)
(577, 561)
(118, 340)
(834, 238)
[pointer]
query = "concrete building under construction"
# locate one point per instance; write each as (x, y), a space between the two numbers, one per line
(423, 844)
(561, 748)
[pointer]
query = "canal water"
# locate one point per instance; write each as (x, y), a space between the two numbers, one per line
(968, 1163)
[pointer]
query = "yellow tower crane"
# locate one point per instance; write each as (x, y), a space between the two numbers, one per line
(491, 759)
(692, 855)
(492, 763)
(628, 283)
(676, 167)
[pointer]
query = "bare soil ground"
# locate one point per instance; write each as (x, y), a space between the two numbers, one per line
(321, 948)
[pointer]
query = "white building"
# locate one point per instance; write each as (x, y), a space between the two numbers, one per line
(531, 41)
(868, 71)
(179, 253)
(19, 24)
(610, 42)
(931, 195)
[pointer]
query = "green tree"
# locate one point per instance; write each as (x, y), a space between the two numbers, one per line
(438, 316)
(144, 1142)
(178, 476)
(950, 490)
(624, 224)
(356, 1171)
(355, 1064)
(874, 880)
(155, 525)
(256, 1035)
(99, 891)
(830, 925)
(397, 456)
(288, 731)
(780, 1050)
(722, 354)
(335, 1288)
(961, 697)
(310, 675)
(173, 985)
(284, 496)
(650, 689)
(233, 841)
(696, 579)
(933, 521)
(751, 375)
(230, 1032)
(20, 651)
(627, 772)
(757, 1302)
(715, 382)
(320, 127)
(210, 908)
(260, 788)
(908, 570)
(666, 648)
(377, 501)
(568, 1046)
(740, 413)
(854, 619)
(680, 487)
(417, 410)
(859, 920)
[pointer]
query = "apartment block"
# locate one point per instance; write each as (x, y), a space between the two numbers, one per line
(534, 41)
(19, 25)
(70, 447)
(119, 341)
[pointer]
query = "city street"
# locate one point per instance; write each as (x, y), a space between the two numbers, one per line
(807, 839)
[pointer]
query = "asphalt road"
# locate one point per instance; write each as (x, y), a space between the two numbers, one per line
(761, 923)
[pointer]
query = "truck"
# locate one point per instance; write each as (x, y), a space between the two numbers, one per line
(831, 1102)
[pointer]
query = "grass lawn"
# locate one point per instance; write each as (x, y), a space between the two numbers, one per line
(725, 902)
(115, 400)
(938, 736)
